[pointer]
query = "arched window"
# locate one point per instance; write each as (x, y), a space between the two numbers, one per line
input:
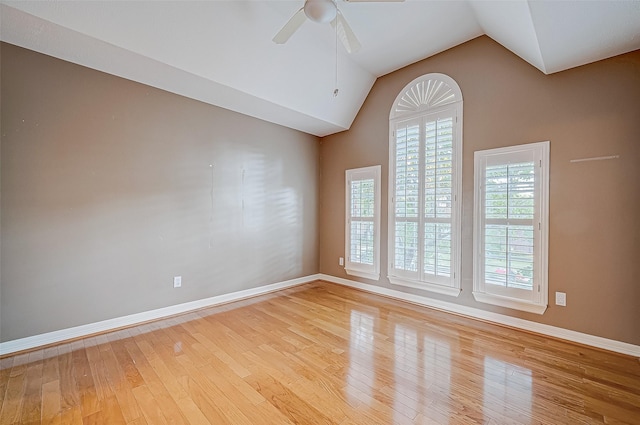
(425, 170)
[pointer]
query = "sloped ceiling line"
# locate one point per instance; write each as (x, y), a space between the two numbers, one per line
(220, 52)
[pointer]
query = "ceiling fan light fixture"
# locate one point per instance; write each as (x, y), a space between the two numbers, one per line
(321, 11)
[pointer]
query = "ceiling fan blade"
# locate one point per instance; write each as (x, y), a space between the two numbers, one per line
(346, 34)
(290, 27)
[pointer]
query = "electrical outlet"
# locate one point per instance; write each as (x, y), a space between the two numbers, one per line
(561, 299)
(341, 261)
(177, 281)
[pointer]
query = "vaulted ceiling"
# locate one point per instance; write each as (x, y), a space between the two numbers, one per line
(220, 52)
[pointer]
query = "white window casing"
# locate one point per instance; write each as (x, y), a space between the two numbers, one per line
(362, 222)
(425, 169)
(511, 214)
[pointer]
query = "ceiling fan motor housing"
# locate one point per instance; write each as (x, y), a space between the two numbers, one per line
(321, 11)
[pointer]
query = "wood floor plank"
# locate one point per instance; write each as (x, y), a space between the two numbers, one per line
(148, 405)
(231, 412)
(286, 401)
(71, 416)
(127, 365)
(139, 421)
(16, 384)
(225, 376)
(203, 401)
(161, 370)
(111, 411)
(238, 391)
(51, 402)
(32, 399)
(50, 370)
(5, 370)
(98, 370)
(119, 383)
(186, 405)
(319, 353)
(192, 413)
(161, 395)
(69, 397)
(222, 355)
(84, 383)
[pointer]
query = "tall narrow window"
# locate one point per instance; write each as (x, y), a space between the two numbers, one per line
(510, 234)
(425, 184)
(363, 222)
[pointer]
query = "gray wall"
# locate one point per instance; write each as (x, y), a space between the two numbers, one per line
(110, 188)
(589, 111)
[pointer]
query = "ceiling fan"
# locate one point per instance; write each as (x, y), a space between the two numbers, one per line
(323, 11)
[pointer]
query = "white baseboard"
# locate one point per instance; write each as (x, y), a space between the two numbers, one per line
(553, 331)
(62, 335)
(35, 341)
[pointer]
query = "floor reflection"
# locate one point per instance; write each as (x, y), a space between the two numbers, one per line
(361, 351)
(434, 373)
(506, 387)
(406, 389)
(437, 364)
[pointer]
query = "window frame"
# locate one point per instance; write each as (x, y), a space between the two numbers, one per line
(355, 268)
(438, 95)
(534, 301)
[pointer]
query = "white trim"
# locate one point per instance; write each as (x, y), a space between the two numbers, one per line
(366, 275)
(48, 338)
(425, 286)
(514, 303)
(501, 319)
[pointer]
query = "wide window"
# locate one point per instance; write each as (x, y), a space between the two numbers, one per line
(424, 185)
(510, 232)
(363, 222)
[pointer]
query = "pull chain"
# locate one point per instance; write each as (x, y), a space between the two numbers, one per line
(335, 92)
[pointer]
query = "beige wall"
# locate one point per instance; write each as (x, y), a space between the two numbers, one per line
(107, 193)
(593, 110)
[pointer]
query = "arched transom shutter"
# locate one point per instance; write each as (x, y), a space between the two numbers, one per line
(425, 93)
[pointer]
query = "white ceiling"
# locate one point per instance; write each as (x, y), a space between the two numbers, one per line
(220, 52)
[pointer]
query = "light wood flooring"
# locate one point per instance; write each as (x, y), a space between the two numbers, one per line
(319, 354)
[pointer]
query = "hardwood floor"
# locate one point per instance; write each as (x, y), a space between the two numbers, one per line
(319, 354)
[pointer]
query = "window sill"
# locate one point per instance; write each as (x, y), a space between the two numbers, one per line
(366, 275)
(425, 286)
(509, 303)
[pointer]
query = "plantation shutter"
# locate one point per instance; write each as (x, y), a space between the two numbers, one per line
(361, 228)
(362, 222)
(509, 240)
(438, 193)
(407, 191)
(423, 198)
(509, 224)
(425, 156)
